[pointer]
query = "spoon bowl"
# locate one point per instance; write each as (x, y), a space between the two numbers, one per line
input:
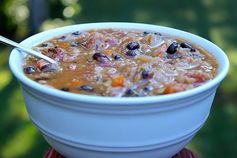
(32, 52)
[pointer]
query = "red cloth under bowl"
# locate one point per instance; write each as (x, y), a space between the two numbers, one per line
(185, 153)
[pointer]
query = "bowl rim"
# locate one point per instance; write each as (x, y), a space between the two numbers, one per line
(114, 100)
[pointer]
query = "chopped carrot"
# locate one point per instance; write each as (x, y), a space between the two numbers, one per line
(108, 52)
(64, 45)
(169, 89)
(118, 81)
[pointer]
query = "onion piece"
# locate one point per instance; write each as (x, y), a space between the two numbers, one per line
(155, 41)
(187, 66)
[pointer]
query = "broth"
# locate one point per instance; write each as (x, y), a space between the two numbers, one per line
(122, 63)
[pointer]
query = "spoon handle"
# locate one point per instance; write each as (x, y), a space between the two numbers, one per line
(27, 50)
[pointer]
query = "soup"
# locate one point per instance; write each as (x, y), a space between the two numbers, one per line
(121, 63)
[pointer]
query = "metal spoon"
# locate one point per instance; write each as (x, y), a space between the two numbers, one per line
(26, 50)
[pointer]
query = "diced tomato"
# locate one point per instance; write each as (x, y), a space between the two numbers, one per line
(55, 53)
(199, 77)
(41, 64)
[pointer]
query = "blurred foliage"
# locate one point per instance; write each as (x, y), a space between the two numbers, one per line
(215, 20)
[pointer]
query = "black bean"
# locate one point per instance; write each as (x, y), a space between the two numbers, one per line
(172, 48)
(76, 33)
(146, 32)
(158, 33)
(155, 33)
(131, 53)
(62, 37)
(146, 74)
(29, 70)
(65, 89)
(41, 79)
(133, 46)
(130, 93)
(87, 88)
(75, 44)
(117, 57)
(187, 45)
(49, 68)
(147, 89)
(100, 57)
(44, 45)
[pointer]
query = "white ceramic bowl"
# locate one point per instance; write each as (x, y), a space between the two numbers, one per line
(81, 126)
